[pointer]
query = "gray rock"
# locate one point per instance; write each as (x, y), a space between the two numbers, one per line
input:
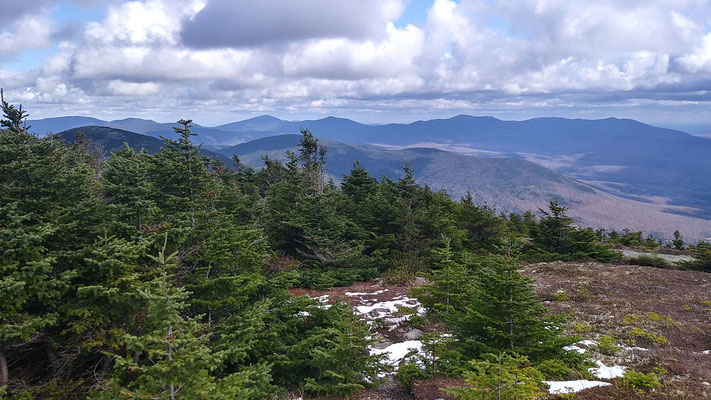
(413, 334)
(382, 344)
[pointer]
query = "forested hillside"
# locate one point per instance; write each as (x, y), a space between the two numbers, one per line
(166, 275)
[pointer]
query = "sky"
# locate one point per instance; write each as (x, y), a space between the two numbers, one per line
(373, 61)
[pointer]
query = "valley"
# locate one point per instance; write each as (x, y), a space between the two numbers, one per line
(604, 187)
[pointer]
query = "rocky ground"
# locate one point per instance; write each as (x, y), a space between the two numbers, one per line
(658, 319)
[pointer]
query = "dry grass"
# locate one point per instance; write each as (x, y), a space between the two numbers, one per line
(619, 300)
(602, 299)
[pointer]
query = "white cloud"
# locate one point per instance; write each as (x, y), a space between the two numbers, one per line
(324, 56)
(228, 23)
(120, 88)
(699, 61)
(26, 33)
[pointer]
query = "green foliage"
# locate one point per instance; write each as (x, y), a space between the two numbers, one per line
(554, 369)
(501, 377)
(503, 314)
(560, 295)
(14, 119)
(607, 345)
(437, 357)
(651, 261)
(556, 238)
(641, 335)
(171, 358)
(641, 382)
(678, 242)
(451, 283)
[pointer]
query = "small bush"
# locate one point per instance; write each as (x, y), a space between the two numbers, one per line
(651, 261)
(641, 382)
(582, 327)
(583, 294)
(554, 369)
(607, 345)
(638, 334)
(560, 295)
(409, 373)
(502, 376)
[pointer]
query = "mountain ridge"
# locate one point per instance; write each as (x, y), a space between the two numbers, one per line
(620, 156)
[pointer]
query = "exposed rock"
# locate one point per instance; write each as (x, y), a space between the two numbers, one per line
(382, 344)
(414, 334)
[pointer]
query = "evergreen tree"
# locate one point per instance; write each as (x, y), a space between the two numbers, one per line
(106, 301)
(483, 228)
(174, 360)
(129, 189)
(14, 118)
(555, 229)
(678, 241)
(500, 377)
(358, 185)
(179, 172)
(504, 314)
(450, 286)
(48, 216)
(30, 288)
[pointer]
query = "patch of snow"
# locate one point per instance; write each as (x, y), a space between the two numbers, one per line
(604, 372)
(633, 348)
(573, 347)
(705, 352)
(397, 352)
(395, 322)
(350, 294)
(388, 306)
(576, 346)
(321, 299)
(563, 387)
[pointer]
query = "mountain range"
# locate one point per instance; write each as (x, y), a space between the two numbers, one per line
(619, 156)
(510, 184)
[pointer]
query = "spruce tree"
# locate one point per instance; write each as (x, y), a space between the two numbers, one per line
(129, 189)
(171, 357)
(555, 229)
(500, 376)
(358, 184)
(450, 286)
(14, 118)
(504, 314)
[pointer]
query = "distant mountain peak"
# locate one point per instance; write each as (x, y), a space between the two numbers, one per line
(264, 118)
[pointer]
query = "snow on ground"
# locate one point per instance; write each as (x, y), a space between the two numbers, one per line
(386, 308)
(377, 292)
(397, 352)
(632, 348)
(563, 387)
(602, 371)
(576, 346)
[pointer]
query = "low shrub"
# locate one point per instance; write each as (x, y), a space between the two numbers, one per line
(641, 382)
(607, 345)
(651, 261)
